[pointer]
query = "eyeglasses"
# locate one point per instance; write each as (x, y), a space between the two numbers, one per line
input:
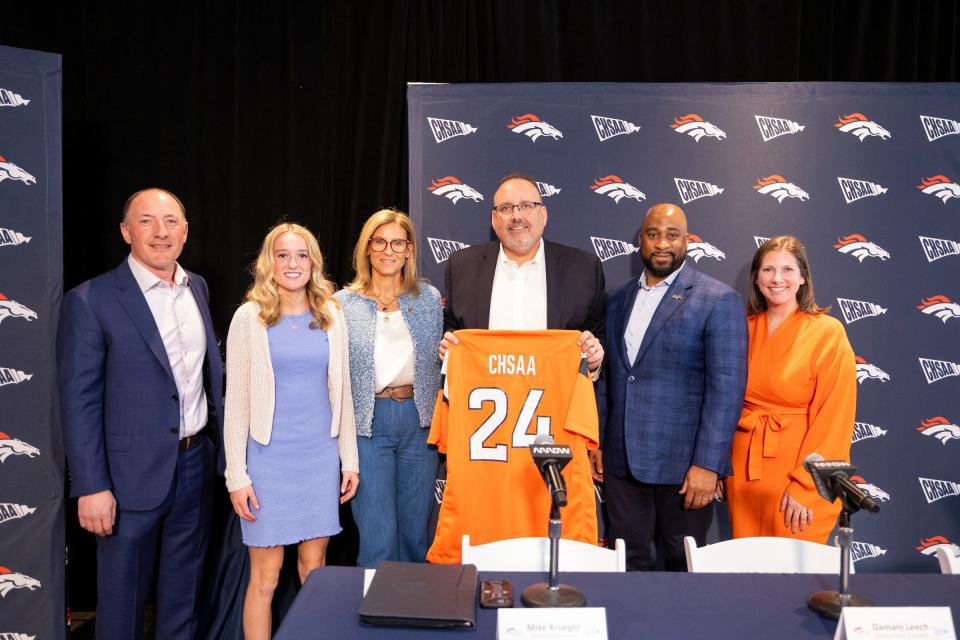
(398, 245)
(524, 207)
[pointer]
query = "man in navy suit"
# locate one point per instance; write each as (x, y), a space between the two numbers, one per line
(141, 397)
(671, 396)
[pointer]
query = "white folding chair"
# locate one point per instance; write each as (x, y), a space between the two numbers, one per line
(949, 561)
(762, 555)
(533, 554)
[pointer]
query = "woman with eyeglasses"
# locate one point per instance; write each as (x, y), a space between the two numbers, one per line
(395, 323)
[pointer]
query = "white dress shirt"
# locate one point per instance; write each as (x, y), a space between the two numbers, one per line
(181, 328)
(519, 296)
(648, 299)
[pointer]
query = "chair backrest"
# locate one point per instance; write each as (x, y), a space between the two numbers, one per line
(949, 561)
(533, 554)
(762, 555)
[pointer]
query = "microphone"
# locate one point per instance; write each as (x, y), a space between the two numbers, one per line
(550, 460)
(832, 481)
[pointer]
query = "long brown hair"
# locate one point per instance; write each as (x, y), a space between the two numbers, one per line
(263, 291)
(756, 303)
(361, 261)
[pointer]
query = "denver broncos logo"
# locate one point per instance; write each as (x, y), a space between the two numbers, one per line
(13, 447)
(872, 490)
(940, 428)
(929, 546)
(10, 580)
(861, 126)
(533, 127)
(941, 307)
(859, 247)
(867, 371)
(696, 127)
(10, 171)
(776, 186)
(940, 186)
(697, 248)
(614, 187)
(13, 308)
(452, 189)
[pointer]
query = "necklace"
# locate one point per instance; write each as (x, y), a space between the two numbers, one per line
(293, 325)
(384, 305)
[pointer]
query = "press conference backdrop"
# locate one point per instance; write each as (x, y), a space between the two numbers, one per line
(866, 175)
(31, 278)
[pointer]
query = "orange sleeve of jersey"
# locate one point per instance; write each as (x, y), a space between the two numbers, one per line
(582, 415)
(438, 426)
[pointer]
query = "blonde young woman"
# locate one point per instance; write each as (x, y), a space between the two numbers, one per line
(395, 326)
(289, 433)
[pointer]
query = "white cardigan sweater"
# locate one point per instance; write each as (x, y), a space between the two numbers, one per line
(249, 405)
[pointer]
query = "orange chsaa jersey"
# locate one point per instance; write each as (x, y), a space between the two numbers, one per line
(503, 389)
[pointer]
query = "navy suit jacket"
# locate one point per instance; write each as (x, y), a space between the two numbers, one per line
(678, 404)
(119, 405)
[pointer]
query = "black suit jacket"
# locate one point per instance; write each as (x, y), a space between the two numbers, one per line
(576, 294)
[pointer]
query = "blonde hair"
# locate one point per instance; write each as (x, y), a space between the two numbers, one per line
(263, 291)
(806, 302)
(361, 261)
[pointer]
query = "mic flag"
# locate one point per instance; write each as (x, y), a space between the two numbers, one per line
(550, 460)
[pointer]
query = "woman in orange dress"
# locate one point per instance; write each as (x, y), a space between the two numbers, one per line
(801, 399)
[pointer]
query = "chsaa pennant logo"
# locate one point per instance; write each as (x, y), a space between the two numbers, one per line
(13, 309)
(941, 307)
(10, 580)
(611, 127)
(936, 370)
(864, 550)
(443, 129)
(868, 371)
(759, 240)
(606, 248)
(14, 511)
(872, 490)
(936, 128)
(14, 447)
(934, 490)
(453, 190)
(533, 127)
(940, 186)
(11, 237)
(10, 99)
(936, 248)
(697, 128)
(940, 428)
(776, 186)
(854, 310)
(691, 190)
(929, 546)
(16, 636)
(547, 190)
(859, 247)
(698, 248)
(854, 189)
(865, 431)
(614, 187)
(13, 376)
(442, 249)
(10, 171)
(771, 127)
(861, 126)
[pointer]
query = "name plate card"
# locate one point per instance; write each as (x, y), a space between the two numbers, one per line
(586, 623)
(895, 623)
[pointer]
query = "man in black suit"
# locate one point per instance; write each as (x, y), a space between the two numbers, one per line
(523, 281)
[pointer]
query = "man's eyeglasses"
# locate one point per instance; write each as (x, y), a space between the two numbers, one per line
(524, 207)
(380, 244)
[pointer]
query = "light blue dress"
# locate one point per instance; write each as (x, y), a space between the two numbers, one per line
(297, 476)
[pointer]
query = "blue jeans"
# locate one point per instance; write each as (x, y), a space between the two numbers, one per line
(397, 474)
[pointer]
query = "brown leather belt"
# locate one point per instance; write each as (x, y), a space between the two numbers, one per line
(397, 393)
(191, 441)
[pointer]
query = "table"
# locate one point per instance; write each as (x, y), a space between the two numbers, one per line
(639, 605)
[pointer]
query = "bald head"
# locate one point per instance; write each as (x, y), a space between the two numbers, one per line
(663, 241)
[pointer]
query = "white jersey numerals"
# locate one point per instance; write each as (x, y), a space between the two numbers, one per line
(521, 438)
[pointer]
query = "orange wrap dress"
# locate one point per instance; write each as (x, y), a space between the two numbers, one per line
(801, 399)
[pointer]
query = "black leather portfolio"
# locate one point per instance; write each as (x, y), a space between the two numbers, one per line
(413, 594)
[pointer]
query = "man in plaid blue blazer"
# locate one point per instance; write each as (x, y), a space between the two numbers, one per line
(671, 395)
